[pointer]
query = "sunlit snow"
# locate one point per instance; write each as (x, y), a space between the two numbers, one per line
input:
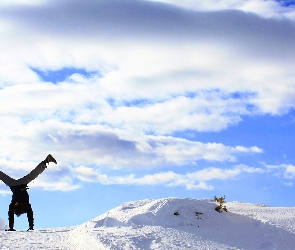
(170, 223)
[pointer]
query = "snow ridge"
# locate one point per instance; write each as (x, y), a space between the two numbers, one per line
(155, 213)
(169, 223)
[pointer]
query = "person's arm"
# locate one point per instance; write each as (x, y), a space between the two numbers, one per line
(30, 216)
(11, 216)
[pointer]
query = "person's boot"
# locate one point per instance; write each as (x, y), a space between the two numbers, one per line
(10, 229)
(50, 158)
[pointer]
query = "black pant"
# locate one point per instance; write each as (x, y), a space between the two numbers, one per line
(29, 212)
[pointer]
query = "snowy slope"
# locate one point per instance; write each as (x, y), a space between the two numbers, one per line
(151, 224)
(2, 224)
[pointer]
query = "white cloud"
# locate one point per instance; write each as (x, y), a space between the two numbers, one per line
(161, 70)
(288, 184)
(289, 171)
(286, 171)
(193, 180)
(61, 185)
(204, 112)
(268, 8)
(215, 54)
(102, 145)
(21, 2)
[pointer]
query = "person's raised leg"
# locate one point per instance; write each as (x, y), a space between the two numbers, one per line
(50, 158)
(36, 171)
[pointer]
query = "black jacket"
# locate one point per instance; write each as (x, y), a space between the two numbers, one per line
(20, 194)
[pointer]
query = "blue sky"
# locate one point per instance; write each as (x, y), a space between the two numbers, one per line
(146, 99)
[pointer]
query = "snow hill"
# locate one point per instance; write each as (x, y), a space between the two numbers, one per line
(2, 224)
(170, 223)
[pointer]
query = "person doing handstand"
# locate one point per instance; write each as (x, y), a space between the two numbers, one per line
(20, 202)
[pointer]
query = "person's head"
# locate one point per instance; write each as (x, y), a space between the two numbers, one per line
(19, 208)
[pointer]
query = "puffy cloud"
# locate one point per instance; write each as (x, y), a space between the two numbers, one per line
(289, 171)
(160, 69)
(88, 145)
(142, 63)
(203, 112)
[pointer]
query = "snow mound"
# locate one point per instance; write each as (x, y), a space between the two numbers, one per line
(182, 223)
(2, 224)
(168, 212)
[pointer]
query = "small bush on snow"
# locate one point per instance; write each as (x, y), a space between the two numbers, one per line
(221, 201)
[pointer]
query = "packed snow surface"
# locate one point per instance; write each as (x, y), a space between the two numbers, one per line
(170, 223)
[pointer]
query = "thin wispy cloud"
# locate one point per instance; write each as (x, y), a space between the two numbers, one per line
(268, 9)
(286, 171)
(193, 180)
